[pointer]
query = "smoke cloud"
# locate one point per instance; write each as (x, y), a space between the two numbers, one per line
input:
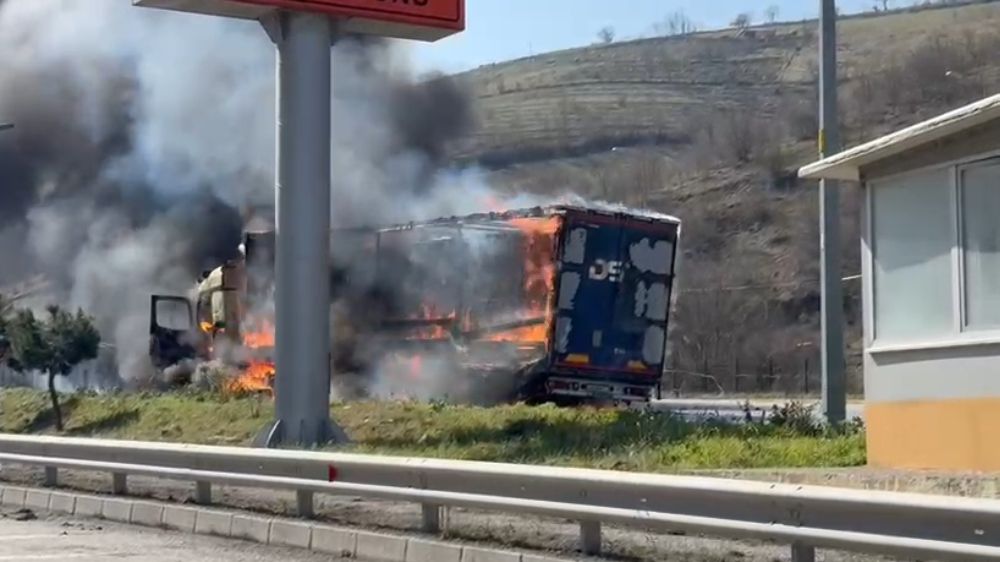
(144, 144)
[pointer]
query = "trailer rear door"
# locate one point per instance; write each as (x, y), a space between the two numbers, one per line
(613, 294)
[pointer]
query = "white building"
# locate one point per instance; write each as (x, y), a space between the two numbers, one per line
(931, 274)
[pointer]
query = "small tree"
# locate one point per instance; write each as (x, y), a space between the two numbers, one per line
(606, 35)
(53, 346)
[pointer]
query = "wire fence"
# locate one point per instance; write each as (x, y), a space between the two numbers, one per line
(797, 375)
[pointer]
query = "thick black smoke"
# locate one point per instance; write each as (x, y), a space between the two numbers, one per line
(54, 167)
(141, 135)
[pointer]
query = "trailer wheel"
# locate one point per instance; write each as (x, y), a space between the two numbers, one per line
(567, 401)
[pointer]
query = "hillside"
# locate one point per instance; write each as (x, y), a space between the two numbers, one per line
(711, 127)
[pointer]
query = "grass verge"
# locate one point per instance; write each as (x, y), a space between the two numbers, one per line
(599, 438)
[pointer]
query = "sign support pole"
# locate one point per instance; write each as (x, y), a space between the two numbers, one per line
(304, 41)
(302, 203)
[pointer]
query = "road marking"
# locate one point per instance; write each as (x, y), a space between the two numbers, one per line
(24, 537)
(59, 556)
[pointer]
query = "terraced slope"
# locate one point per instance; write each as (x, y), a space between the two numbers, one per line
(711, 127)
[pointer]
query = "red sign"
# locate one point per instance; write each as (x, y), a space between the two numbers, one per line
(410, 19)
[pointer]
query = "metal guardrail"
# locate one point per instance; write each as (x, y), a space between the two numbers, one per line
(807, 517)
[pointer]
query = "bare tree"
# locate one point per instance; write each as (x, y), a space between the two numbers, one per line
(772, 13)
(677, 23)
(606, 35)
(650, 174)
(741, 21)
(737, 129)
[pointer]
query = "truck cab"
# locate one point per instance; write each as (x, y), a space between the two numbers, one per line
(190, 327)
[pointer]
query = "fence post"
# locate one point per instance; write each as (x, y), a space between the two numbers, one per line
(805, 377)
(304, 504)
(203, 492)
(803, 553)
(431, 517)
(736, 375)
(590, 537)
(704, 375)
(674, 379)
(119, 483)
(51, 477)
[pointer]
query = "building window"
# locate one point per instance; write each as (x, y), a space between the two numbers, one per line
(980, 200)
(912, 240)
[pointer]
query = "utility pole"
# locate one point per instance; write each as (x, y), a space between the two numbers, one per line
(834, 385)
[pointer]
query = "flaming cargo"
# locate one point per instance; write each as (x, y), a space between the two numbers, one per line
(560, 303)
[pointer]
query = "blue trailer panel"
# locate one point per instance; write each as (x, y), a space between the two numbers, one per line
(615, 280)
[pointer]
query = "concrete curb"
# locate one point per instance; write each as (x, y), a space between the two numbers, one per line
(279, 531)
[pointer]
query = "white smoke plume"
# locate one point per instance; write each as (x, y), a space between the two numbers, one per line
(144, 139)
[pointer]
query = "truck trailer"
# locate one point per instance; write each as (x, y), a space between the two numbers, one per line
(567, 304)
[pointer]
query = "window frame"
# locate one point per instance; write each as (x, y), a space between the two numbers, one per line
(870, 252)
(960, 194)
(961, 334)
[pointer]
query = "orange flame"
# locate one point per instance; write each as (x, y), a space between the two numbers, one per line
(539, 278)
(262, 336)
(416, 366)
(539, 281)
(259, 374)
(257, 377)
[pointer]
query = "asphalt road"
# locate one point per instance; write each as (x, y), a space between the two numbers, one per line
(732, 408)
(77, 540)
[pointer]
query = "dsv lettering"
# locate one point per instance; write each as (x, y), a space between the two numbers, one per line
(604, 270)
(420, 3)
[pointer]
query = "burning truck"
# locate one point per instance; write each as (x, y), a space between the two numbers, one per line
(563, 303)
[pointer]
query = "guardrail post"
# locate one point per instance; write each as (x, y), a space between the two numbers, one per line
(203, 492)
(803, 553)
(304, 503)
(590, 537)
(51, 477)
(431, 517)
(119, 483)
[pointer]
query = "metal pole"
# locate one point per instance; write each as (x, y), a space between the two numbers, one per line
(834, 387)
(302, 225)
